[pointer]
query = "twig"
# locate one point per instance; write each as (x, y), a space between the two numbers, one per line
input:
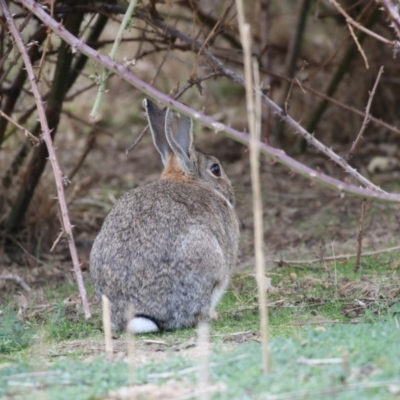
(137, 140)
(52, 202)
(46, 45)
(220, 21)
(29, 255)
(195, 81)
(17, 279)
(290, 88)
(105, 72)
(360, 234)
(323, 96)
(353, 35)
(369, 19)
(366, 117)
(44, 54)
(59, 236)
(371, 191)
(254, 121)
(296, 39)
(351, 21)
(87, 123)
(338, 257)
(166, 55)
(52, 156)
(32, 137)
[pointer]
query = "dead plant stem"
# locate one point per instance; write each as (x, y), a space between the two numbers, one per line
(107, 326)
(52, 155)
(360, 234)
(105, 72)
(366, 117)
(254, 121)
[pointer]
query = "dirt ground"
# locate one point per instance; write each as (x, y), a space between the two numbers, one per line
(301, 220)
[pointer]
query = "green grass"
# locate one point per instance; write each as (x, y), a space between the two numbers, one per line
(66, 324)
(14, 334)
(68, 350)
(371, 353)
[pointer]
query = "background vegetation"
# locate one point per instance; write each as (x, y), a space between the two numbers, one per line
(321, 73)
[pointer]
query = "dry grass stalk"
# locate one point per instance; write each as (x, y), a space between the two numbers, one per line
(360, 234)
(335, 281)
(366, 117)
(203, 344)
(67, 227)
(107, 325)
(254, 120)
(131, 345)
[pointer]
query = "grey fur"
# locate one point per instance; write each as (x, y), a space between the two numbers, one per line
(168, 247)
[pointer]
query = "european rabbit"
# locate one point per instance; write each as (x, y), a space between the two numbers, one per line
(168, 248)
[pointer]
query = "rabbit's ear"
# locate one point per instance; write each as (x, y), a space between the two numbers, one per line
(180, 141)
(156, 119)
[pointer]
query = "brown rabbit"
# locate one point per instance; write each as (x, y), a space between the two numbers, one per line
(168, 248)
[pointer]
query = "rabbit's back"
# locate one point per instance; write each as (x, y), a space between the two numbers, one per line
(164, 248)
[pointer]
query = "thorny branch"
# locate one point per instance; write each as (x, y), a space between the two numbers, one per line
(393, 12)
(371, 191)
(219, 66)
(357, 25)
(52, 155)
(366, 118)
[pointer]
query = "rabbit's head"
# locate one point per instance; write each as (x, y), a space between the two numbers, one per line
(173, 137)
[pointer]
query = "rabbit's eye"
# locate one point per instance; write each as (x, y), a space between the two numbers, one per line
(216, 169)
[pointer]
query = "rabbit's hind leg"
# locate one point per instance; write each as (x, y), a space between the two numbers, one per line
(218, 291)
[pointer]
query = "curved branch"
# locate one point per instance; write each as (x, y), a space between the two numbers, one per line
(371, 191)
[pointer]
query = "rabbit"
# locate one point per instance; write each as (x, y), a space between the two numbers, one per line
(168, 248)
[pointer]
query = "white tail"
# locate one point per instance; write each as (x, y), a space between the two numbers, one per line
(142, 325)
